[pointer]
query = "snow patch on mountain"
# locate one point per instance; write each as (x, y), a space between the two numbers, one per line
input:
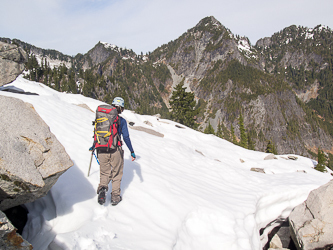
(52, 63)
(111, 46)
(245, 47)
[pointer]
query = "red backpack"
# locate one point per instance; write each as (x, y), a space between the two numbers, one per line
(107, 123)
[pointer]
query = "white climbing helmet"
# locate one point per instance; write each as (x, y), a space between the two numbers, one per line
(118, 101)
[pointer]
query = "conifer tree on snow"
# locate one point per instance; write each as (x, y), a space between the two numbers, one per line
(182, 104)
(209, 129)
(321, 166)
(243, 137)
(234, 140)
(330, 161)
(271, 148)
(219, 131)
(225, 132)
(250, 143)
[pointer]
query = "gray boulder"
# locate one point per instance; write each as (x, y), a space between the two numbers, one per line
(9, 239)
(12, 59)
(31, 158)
(311, 223)
(270, 157)
(147, 130)
(259, 170)
(281, 236)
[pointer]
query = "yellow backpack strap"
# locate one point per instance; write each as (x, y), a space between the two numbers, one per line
(96, 133)
(107, 133)
(99, 120)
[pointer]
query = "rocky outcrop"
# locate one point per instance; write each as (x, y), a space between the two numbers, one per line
(264, 42)
(310, 93)
(311, 223)
(12, 59)
(298, 58)
(9, 239)
(99, 53)
(288, 124)
(31, 158)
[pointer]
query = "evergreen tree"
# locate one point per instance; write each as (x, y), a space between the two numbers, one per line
(243, 137)
(219, 131)
(250, 143)
(182, 104)
(321, 166)
(225, 132)
(330, 161)
(45, 80)
(90, 81)
(271, 148)
(233, 136)
(209, 129)
(64, 86)
(72, 87)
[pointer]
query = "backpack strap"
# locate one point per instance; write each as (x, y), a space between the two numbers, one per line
(100, 133)
(119, 142)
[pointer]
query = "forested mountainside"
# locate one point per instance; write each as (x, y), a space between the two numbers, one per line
(281, 87)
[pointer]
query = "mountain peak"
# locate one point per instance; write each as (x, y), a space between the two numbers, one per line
(208, 21)
(109, 46)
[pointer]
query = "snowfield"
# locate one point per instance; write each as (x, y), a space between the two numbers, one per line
(186, 190)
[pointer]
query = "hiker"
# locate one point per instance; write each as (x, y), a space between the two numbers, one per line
(112, 160)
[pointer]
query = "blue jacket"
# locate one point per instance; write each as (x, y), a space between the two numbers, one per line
(124, 132)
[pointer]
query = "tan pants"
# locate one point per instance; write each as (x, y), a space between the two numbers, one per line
(111, 168)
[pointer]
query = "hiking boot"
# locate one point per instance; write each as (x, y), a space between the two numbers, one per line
(101, 196)
(115, 199)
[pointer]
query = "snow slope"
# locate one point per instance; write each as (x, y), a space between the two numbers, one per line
(186, 190)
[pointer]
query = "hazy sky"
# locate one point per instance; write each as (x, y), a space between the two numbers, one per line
(76, 26)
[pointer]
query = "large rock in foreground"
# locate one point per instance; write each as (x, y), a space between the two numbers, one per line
(31, 158)
(9, 239)
(311, 223)
(12, 59)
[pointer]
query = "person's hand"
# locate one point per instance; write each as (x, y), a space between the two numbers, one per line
(91, 148)
(133, 156)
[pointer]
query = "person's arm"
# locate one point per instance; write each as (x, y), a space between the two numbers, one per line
(125, 133)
